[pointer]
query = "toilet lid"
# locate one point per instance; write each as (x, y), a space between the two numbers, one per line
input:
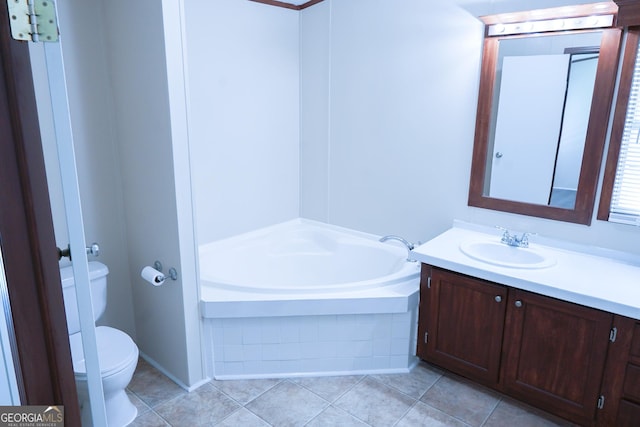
(116, 350)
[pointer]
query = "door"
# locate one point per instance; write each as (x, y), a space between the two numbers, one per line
(555, 353)
(42, 358)
(527, 133)
(23, 165)
(461, 323)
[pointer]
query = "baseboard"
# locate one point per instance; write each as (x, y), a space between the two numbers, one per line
(159, 367)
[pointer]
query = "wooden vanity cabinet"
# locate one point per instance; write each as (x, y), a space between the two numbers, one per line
(622, 376)
(543, 351)
(461, 323)
(554, 354)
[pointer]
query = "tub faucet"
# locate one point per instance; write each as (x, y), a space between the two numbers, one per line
(409, 246)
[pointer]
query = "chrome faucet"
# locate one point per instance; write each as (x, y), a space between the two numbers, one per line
(513, 240)
(409, 245)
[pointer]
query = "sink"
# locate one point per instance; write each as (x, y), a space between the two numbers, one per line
(498, 253)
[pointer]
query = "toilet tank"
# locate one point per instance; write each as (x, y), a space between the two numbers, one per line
(98, 277)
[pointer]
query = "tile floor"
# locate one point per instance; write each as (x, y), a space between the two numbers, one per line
(424, 397)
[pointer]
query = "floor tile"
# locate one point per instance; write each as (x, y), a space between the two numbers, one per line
(415, 383)
(287, 404)
(243, 418)
(464, 400)
(139, 404)
(359, 401)
(329, 388)
(244, 391)
(333, 416)
(149, 419)
(510, 412)
(151, 386)
(424, 415)
(375, 403)
(203, 407)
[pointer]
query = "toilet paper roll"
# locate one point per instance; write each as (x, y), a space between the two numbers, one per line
(153, 276)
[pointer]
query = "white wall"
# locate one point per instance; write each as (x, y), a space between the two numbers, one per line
(403, 80)
(145, 65)
(243, 79)
(95, 148)
(315, 77)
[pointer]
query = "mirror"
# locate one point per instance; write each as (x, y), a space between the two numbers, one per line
(541, 123)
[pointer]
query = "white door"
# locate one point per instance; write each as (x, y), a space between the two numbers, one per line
(530, 107)
(57, 110)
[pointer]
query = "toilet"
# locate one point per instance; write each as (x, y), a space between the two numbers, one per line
(117, 353)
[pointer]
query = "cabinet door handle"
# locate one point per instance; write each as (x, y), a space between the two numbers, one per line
(498, 298)
(518, 303)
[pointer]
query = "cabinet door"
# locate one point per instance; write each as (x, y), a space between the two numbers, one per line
(461, 323)
(554, 354)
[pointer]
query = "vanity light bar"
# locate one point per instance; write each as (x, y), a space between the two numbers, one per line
(566, 24)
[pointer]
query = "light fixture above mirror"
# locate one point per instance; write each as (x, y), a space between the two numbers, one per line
(546, 88)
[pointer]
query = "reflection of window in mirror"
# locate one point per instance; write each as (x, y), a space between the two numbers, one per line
(620, 197)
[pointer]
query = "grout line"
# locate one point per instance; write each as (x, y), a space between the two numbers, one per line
(332, 403)
(500, 399)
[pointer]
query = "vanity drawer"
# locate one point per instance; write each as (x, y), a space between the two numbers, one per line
(628, 414)
(632, 382)
(635, 343)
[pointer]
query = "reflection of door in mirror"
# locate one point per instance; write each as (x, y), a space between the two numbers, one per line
(544, 87)
(582, 75)
(532, 92)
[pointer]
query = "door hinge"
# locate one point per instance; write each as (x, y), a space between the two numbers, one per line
(613, 334)
(33, 20)
(601, 402)
(426, 337)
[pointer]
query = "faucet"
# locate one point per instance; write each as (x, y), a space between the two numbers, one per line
(409, 246)
(514, 240)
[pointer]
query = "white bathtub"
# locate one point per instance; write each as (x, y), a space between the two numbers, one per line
(307, 298)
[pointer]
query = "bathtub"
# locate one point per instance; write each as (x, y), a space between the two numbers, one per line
(304, 298)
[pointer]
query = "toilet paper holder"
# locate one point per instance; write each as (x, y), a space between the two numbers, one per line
(172, 274)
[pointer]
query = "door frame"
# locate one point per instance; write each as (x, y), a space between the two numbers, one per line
(28, 241)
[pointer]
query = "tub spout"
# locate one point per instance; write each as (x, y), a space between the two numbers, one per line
(409, 245)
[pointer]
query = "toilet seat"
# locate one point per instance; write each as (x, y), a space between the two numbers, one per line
(116, 351)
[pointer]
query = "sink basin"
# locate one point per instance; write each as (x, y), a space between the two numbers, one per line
(498, 253)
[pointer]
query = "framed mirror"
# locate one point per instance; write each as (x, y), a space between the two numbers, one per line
(543, 111)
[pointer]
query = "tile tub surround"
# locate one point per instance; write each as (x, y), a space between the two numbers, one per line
(293, 346)
(426, 396)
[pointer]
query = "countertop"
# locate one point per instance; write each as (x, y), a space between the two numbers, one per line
(585, 275)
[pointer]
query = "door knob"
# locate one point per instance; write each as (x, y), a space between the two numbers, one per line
(498, 155)
(498, 298)
(518, 303)
(94, 250)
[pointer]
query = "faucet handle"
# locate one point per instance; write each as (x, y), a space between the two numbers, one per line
(524, 239)
(506, 236)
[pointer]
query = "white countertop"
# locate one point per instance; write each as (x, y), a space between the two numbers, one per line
(602, 279)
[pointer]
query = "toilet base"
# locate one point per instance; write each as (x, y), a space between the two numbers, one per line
(120, 411)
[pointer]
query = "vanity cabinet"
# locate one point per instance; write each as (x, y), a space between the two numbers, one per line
(622, 375)
(461, 323)
(554, 354)
(543, 351)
